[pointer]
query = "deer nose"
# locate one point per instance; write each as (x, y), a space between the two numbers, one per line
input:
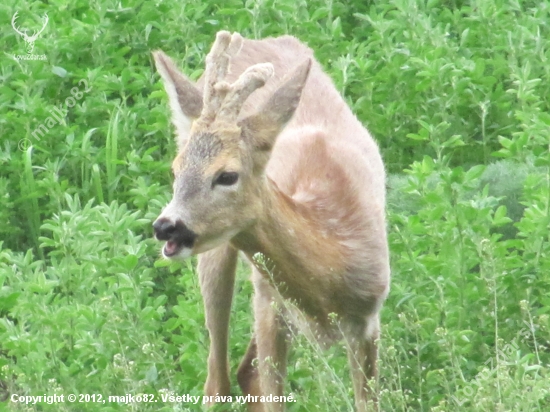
(177, 234)
(164, 229)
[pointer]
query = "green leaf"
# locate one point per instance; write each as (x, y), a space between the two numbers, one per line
(474, 173)
(500, 217)
(151, 375)
(130, 262)
(9, 301)
(60, 71)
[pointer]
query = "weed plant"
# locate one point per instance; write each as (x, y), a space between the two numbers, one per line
(457, 95)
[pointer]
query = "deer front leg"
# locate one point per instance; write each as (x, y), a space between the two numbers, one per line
(270, 344)
(217, 278)
(362, 355)
(248, 377)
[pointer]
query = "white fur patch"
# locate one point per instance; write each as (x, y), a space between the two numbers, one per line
(183, 254)
(179, 119)
(226, 237)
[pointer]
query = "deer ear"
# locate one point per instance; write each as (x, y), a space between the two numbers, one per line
(263, 127)
(185, 99)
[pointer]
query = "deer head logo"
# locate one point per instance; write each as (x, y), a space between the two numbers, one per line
(29, 40)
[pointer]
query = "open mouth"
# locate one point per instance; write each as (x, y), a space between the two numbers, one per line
(179, 238)
(172, 248)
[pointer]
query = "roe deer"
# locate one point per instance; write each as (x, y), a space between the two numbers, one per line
(271, 160)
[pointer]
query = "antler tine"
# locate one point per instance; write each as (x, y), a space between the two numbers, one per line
(13, 21)
(217, 66)
(253, 78)
(235, 45)
(46, 19)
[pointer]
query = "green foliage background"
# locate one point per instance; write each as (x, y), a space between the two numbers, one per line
(457, 95)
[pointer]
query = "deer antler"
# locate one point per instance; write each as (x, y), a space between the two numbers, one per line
(223, 100)
(14, 18)
(46, 19)
(217, 66)
(24, 34)
(253, 78)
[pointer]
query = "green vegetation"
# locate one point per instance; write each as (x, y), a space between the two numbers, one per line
(458, 95)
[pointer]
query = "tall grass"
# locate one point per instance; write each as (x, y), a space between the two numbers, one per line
(457, 95)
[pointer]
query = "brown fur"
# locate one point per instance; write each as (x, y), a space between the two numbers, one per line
(310, 198)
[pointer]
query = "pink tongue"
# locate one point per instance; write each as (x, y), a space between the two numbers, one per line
(170, 247)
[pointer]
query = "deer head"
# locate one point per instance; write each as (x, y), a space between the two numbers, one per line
(29, 40)
(220, 166)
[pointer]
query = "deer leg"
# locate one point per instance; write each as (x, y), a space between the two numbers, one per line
(263, 368)
(362, 355)
(249, 379)
(217, 277)
(272, 341)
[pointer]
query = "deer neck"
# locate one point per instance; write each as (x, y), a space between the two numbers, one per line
(297, 258)
(288, 237)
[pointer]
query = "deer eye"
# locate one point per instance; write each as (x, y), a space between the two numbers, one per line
(226, 178)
